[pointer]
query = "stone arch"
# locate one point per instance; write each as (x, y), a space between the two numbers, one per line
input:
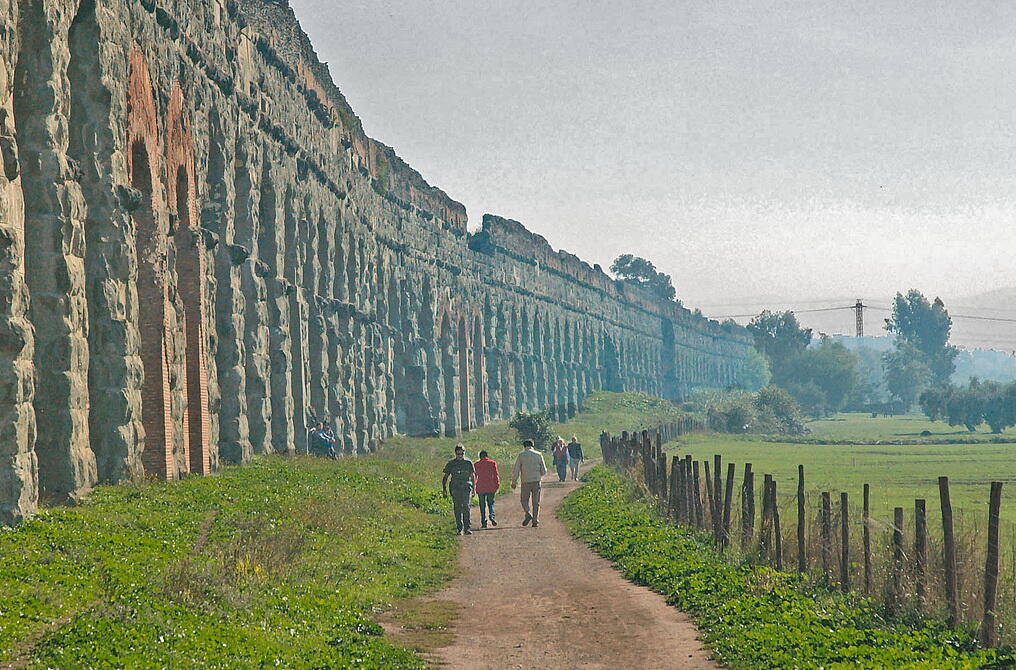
(449, 375)
(610, 365)
(465, 373)
(479, 373)
(151, 285)
(190, 278)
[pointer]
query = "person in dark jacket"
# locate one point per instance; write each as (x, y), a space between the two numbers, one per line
(463, 476)
(488, 481)
(575, 457)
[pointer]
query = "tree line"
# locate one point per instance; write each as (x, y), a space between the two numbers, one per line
(825, 377)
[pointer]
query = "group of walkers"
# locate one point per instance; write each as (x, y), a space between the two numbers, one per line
(462, 477)
(567, 456)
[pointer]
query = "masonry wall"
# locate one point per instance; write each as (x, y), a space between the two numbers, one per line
(201, 252)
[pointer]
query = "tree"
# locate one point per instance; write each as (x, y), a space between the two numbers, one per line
(870, 391)
(829, 367)
(778, 335)
(777, 411)
(925, 326)
(906, 373)
(965, 407)
(1000, 406)
(641, 272)
(809, 396)
(933, 402)
(533, 426)
(754, 374)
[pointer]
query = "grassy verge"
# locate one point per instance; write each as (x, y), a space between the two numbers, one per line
(282, 563)
(755, 618)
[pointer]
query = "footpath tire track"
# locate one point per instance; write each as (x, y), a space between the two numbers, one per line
(539, 598)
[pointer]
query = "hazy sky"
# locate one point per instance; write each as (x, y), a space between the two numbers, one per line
(793, 149)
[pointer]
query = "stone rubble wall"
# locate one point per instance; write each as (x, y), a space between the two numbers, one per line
(202, 252)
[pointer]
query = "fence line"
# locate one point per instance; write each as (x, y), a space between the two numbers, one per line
(695, 493)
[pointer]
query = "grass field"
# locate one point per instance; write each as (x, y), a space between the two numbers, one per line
(843, 453)
(897, 473)
(285, 562)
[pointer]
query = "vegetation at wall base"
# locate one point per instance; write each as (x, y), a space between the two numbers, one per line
(285, 562)
(753, 617)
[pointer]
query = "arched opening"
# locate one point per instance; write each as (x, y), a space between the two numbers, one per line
(189, 282)
(157, 456)
(479, 387)
(611, 366)
(449, 375)
(465, 378)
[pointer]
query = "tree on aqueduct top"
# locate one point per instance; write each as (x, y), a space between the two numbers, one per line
(641, 272)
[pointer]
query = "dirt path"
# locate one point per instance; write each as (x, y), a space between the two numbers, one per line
(539, 598)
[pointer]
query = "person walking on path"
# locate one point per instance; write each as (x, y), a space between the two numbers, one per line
(488, 481)
(575, 457)
(462, 474)
(530, 467)
(561, 458)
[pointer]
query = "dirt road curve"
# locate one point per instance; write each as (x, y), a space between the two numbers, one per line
(539, 598)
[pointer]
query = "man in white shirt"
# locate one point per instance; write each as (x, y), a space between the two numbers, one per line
(531, 467)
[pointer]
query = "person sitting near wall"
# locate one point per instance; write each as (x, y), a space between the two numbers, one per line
(322, 441)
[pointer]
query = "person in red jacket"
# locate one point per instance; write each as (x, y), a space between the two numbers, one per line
(488, 481)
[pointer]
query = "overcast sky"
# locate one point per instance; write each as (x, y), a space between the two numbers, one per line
(800, 150)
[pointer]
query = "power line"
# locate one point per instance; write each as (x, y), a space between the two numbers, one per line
(859, 307)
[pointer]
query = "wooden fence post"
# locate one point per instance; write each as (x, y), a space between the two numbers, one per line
(709, 494)
(674, 495)
(920, 552)
(895, 593)
(844, 543)
(648, 462)
(718, 500)
(689, 490)
(728, 494)
(747, 508)
(949, 549)
(765, 537)
(682, 495)
(697, 494)
(775, 507)
(989, 629)
(827, 544)
(802, 551)
(866, 538)
(662, 483)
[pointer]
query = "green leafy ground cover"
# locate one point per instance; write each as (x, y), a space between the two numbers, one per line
(755, 618)
(284, 562)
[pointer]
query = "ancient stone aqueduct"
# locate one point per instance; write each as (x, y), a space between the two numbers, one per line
(201, 250)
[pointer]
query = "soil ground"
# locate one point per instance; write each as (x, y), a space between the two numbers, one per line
(538, 598)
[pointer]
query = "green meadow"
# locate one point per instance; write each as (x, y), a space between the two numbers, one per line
(845, 452)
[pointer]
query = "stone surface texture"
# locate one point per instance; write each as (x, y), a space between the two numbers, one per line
(201, 252)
